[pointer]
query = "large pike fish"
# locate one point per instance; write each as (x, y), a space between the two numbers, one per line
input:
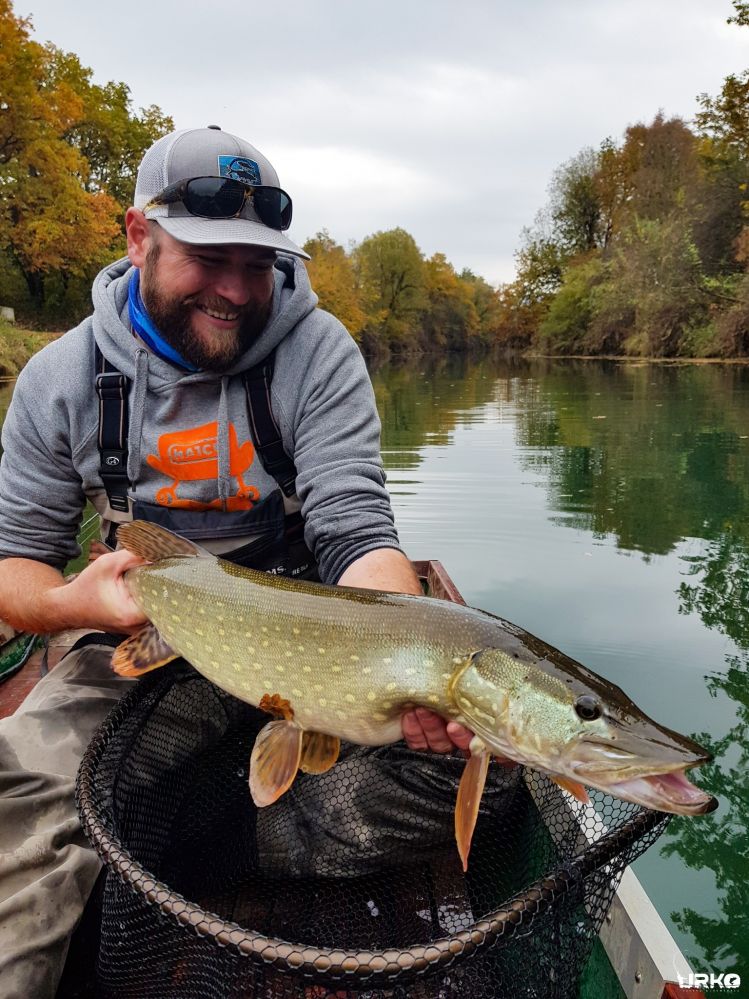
(338, 663)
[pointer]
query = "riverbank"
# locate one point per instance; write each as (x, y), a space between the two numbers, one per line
(18, 344)
(634, 358)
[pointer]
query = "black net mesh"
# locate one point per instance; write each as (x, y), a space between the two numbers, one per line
(350, 885)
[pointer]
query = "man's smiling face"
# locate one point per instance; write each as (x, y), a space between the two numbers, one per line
(208, 302)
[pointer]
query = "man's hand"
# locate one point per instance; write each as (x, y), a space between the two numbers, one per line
(423, 729)
(99, 597)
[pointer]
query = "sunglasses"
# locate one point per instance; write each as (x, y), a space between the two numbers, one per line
(224, 198)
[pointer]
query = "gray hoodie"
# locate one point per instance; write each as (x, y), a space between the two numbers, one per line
(190, 446)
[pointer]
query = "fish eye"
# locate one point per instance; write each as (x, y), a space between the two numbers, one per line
(588, 707)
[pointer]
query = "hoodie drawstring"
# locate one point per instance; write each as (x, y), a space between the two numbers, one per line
(222, 436)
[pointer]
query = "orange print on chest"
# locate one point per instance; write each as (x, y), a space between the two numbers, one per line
(192, 456)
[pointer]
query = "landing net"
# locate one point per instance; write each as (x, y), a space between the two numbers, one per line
(350, 885)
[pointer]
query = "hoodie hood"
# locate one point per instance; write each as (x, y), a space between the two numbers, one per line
(293, 301)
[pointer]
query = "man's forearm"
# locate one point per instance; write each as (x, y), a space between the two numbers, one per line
(35, 597)
(383, 569)
(25, 590)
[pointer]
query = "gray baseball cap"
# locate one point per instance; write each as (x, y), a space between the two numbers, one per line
(208, 152)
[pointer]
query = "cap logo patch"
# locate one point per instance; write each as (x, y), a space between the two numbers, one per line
(239, 168)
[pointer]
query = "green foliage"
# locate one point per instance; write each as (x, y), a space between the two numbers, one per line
(742, 13)
(726, 117)
(641, 248)
(108, 134)
(450, 320)
(391, 276)
(17, 345)
(566, 324)
(575, 204)
(393, 301)
(541, 261)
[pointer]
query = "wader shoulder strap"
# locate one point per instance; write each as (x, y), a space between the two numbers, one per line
(112, 389)
(266, 434)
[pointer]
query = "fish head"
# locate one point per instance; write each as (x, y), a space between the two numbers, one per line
(561, 718)
(632, 757)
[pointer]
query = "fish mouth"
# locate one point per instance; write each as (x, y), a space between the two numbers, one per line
(666, 792)
(651, 774)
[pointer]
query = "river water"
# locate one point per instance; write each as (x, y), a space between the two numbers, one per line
(605, 508)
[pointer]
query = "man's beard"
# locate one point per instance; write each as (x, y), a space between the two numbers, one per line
(172, 317)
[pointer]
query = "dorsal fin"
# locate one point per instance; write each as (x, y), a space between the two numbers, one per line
(152, 542)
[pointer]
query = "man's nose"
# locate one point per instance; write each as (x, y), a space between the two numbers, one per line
(235, 285)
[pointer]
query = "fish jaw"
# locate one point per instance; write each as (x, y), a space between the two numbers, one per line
(646, 764)
(667, 792)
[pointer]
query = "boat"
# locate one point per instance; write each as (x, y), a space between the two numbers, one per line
(635, 955)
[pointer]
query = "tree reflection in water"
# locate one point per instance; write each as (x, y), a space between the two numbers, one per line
(720, 842)
(654, 459)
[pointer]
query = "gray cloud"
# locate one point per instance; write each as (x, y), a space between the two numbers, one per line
(447, 119)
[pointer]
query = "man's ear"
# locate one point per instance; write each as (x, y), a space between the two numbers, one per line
(138, 236)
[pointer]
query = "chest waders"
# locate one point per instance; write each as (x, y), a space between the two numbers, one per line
(272, 531)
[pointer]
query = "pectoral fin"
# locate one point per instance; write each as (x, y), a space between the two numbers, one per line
(141, 653)
(274, 761)
(574, 787)
(469, 798)
(319, 752)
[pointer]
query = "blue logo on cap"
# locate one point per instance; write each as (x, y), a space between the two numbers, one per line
(239, 168)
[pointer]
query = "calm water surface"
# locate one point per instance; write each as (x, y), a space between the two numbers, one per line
(605, 508)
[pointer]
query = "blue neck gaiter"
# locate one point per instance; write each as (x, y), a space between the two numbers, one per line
(142, 325)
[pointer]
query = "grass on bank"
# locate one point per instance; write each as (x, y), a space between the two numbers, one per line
(17, 345)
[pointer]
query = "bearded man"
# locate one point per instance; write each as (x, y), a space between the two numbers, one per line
(206, 393)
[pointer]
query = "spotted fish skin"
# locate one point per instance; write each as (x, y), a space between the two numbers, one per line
(349, 661)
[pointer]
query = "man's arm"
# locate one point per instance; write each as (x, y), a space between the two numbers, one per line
(389, 569)
(34, 597)
(383, 569)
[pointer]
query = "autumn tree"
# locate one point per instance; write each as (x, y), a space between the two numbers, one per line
(540, 265)
(61, 213)
(575, 204)
(111, 137)
(486, 302)
(449, 320)
(333, 279)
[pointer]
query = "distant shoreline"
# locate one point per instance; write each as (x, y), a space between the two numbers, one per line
(636, 359)
(19, 344)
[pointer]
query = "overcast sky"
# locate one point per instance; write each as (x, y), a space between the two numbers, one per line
(444, 117)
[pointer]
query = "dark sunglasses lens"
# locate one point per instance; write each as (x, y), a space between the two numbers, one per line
(214, 197)
(272, 206)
